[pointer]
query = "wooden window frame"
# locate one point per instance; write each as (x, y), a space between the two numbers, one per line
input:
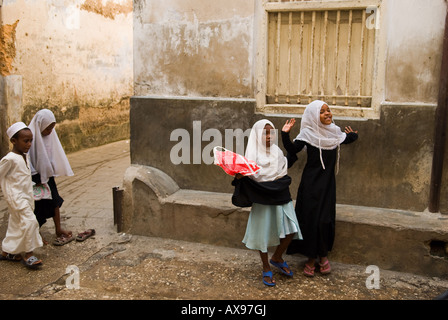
(265, 7)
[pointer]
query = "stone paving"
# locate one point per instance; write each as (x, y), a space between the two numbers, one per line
(118, 266)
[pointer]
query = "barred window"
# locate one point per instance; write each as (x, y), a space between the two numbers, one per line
(319, 50)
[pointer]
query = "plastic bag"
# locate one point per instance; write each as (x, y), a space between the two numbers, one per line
(233, 163)
(41, 191)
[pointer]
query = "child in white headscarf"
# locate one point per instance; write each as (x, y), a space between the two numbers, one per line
(22, 235)
(316, 197)
(48, 160)
(272, 220)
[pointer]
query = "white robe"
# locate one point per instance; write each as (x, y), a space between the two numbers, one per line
(22, 234)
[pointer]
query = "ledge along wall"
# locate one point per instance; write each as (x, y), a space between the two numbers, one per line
(185, 52)
(382, 185)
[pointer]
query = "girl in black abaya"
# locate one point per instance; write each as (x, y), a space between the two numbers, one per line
(316, 198)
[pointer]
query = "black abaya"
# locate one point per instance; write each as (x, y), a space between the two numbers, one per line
(316, 198)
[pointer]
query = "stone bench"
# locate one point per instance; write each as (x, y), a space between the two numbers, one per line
(154, 205)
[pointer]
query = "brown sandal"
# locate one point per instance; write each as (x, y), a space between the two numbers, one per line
(62, 240)
(11, 257)
(85, 235)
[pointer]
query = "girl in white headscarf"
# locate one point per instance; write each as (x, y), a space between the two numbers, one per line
(48, 160)
(272, 220)
(316, 197)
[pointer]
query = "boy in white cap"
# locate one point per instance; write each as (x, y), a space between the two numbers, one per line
(22, 235)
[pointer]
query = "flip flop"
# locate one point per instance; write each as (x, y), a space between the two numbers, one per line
(85, 235)
(268, 274)
(32, 262)
(62, 240)
(325, 267)
(11, 257)
(281, 266)
(308, 270)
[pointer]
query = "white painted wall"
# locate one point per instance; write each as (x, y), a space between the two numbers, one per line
(74, 57)
(194, 48)
(72, 51)
(415, 31)
(206, 48)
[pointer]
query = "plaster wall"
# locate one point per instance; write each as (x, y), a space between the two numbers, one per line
(193, 48)
(378, 170)
(414, 49)
(75, 58)
(177, 47)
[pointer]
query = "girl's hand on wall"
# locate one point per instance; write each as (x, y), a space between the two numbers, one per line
(349, 129)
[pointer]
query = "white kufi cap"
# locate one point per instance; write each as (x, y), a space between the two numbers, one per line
(16, 127)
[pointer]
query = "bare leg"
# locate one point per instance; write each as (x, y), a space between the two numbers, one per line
(311, 262)
(43, 239)
(266, 266)
(281, 248)
(57, 224)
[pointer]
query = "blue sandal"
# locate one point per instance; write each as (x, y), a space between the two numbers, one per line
(282, 265)
(32, 262)
(268, 274)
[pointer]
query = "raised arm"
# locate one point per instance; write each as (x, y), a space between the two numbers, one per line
(292, 148)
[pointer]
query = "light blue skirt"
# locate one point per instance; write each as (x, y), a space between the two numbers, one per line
(267, 224)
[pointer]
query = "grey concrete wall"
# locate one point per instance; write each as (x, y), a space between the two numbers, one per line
(388, 167)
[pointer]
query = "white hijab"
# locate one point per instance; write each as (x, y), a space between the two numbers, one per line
(271, 160)
(317, 134)
(46, 153)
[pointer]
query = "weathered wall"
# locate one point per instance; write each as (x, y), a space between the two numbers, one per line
(193, 48)
(75, 58)
(378, 170)
(178, 49)
(414, 49)
(10, 107)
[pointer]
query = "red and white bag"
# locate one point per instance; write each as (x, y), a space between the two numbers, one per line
(233, 163)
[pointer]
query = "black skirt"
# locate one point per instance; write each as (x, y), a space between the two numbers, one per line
(248, 191)
(44, 209)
